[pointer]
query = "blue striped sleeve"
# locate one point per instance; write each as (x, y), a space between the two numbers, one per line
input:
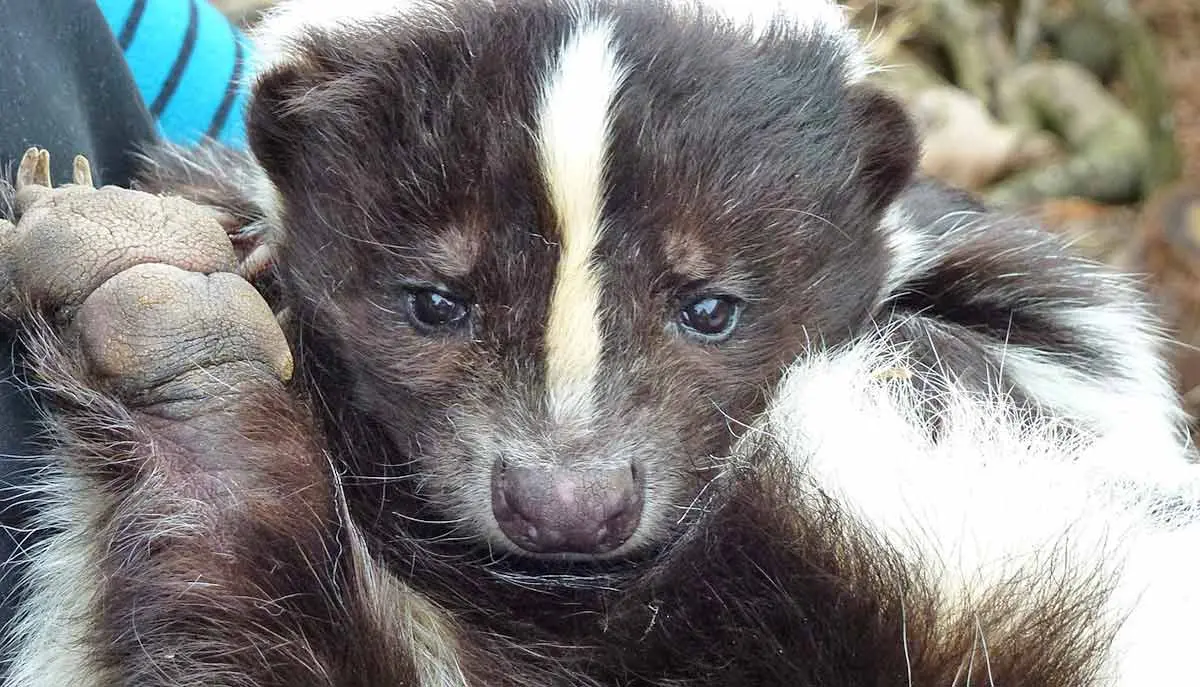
(187, 60)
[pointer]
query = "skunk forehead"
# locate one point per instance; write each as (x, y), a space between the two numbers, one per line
(277, 35)
(718, 88)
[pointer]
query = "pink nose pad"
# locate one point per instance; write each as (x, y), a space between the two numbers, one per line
(554, 510)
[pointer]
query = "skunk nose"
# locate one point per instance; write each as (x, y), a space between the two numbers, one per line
(556, 510)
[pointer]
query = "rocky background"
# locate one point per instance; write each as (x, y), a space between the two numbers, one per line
(1084, 113)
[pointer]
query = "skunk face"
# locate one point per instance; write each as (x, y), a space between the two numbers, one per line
(557, 254)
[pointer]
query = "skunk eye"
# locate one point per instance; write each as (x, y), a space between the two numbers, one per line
(712, 318)
(431, 309)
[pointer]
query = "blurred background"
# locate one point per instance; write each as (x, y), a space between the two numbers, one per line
(1083, 113)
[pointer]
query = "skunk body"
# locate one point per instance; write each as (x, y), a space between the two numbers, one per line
(639, 359)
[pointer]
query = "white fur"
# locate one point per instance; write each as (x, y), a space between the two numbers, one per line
(817, 16)
(281, 26)
(274, 36)
(998, 494)
(52, 626)
(807, 17)
(1141, 404)
(910, 250)
(1139, 401)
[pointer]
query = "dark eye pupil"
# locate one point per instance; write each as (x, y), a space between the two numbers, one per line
(434, 309)
(708, 316)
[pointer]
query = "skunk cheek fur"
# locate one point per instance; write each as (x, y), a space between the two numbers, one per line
(913, 507)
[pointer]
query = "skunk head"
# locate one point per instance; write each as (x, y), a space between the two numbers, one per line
(557, 254)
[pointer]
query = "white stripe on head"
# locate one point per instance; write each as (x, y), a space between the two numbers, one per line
(572, 137)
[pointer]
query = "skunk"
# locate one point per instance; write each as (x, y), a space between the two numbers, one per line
(629, 351)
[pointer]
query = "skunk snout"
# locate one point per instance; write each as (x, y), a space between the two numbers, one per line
(548, 509)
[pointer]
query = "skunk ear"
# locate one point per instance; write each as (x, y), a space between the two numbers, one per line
(274, 124)
(887, 140)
